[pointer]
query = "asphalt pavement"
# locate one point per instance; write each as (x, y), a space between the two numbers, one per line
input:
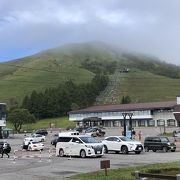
(46, 166)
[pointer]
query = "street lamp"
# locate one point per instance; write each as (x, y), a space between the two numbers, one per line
(124, 123)
(125, 114)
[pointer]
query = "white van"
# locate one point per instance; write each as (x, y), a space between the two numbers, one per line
(79, 145)
(65, 133)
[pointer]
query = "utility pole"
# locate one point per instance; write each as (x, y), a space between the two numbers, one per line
(124, 123)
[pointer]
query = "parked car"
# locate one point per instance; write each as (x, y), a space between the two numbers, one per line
(35, 138)
(41, 131)
(35, 146)
(95, 131)
(82, 145)
(158, 143)
(54, 140)
(121, 144)
(79, 129)
(26, 142)
(57, 136)
(177, 137)
(7, 145)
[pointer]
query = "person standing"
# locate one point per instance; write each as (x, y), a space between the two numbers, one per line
(140, 135)
(5, 150)
(133, 134)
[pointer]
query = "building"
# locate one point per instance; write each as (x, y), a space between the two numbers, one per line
(143, 115)
(2, 117)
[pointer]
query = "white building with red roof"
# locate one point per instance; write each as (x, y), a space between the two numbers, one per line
(143, 115)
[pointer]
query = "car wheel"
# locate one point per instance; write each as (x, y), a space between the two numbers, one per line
(173, 150)
(30, 148)
(82, 153)
(165, 149)
(124, 150)
(137, 152)
(61, 153)
(154, 150)
(146, 149)
(105, 149)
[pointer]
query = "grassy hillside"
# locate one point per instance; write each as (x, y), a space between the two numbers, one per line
(141, 86)
(49, 68)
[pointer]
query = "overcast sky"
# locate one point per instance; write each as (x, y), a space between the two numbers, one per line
(146, 26)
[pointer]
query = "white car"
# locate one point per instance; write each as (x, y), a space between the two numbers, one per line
(35, 146)
(36, 138)
(79, 145)
(121, 144)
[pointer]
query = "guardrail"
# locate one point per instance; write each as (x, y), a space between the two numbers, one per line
(143, 176)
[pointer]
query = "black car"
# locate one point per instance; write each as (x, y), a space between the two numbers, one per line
(54, 140)
(79, 129)
(42, 132)
(158, 143)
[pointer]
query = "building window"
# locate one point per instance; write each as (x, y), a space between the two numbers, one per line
(107, 123)
(122, 123)
(160, 122)
(141, 123)
(116, 123)
(151, 123)
(133, 123)
(171, 122)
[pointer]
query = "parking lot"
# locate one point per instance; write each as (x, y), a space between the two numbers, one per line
(44, 165)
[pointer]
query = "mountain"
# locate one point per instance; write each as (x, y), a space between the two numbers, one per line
(148, 78)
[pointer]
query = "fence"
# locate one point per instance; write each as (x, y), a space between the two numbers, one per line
(144, 176)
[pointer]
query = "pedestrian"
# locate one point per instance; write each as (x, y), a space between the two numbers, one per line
(133, 134)
(5, 150)
(140, 135)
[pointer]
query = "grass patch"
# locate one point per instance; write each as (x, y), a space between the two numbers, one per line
(61, 122)
(125, 173)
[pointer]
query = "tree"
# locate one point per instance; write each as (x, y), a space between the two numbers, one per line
(125, 100)
(18, 117)
(13, 103)
(74, 107)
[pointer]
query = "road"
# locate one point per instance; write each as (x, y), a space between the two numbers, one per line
(41, 167)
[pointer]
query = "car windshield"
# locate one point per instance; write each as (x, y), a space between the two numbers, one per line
(35, 142)
(164, 139)
(88, 140)
(89, 130)
(124, 138)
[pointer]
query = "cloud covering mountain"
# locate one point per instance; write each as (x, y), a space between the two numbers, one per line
(151, 27)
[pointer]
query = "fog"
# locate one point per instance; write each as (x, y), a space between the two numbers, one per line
(149, 27)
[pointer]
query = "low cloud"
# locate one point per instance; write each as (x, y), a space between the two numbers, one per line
(151, 27)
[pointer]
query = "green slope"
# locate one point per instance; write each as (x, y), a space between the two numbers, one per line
(141, 86)
(49, 68)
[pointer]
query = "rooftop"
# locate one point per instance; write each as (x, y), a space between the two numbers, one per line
(128, 107)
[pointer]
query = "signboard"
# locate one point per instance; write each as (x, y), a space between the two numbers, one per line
(104, 165)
